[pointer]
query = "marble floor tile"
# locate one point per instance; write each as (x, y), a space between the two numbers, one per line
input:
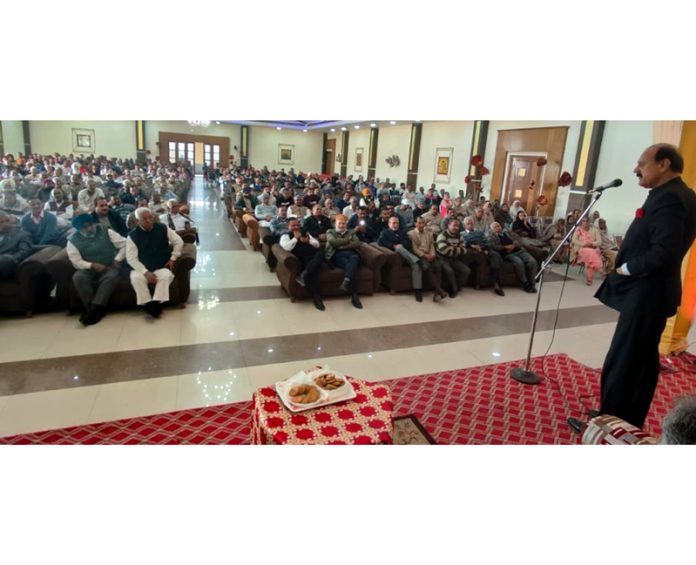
(207, 388)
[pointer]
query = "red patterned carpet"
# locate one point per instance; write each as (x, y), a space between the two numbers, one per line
(479, 405)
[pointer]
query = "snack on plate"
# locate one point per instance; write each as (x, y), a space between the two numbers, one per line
(304, 394)
(329, 381)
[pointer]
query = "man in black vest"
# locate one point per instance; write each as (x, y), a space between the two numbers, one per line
(646, 285)
(96, 252)
(148, 254)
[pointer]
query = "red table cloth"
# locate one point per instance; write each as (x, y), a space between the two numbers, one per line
(366, 419)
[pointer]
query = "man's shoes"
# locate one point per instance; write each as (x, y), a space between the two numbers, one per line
(453, 294)
(499, 291)
(576, 425)
(300, 279)
(153, 308)
(345, 285)
(437, 297)
(419, 296)
(355, 301)
(319, 305)
(593, 413)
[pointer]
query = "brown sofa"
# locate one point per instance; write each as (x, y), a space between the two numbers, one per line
(267, 241)
(62, 270)
(288, 268)
(30, 289)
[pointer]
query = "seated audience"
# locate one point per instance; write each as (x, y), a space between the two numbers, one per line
(527, 237)
(307, 249)
(423, 246)
(362, 224)
(432, 219)
(108, 218)
(585, 249)
(148, 253)
(121, 208)
(552, 236)
(181, 223)
(330, 210)
(342, 251)
(608, 247)
(525, 265)
(279, 224)
(58, 204)
(96, 251)
(451, 249)
(481, 254)
(317, 224)
(396, 238)
(502, 216)
(87, 197)
(15, 246)
(298, 209)
(42, 226)
(405, 213)
(11, 202)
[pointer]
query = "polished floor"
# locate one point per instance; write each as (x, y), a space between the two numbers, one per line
(240, 332)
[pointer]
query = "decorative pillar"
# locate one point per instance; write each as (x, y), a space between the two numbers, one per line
(244, 148)
(344, 152)
(27, 138)
(372, 153)
(414, 155)
(140, 155)
(585, 168)
(674, 338)
(2, 142)
(324, 141)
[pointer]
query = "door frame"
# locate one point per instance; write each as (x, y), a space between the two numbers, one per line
(165, 137)
(508, 165)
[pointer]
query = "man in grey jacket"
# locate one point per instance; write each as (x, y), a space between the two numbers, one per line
(15, 246)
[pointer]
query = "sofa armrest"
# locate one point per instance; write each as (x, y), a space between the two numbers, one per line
(35, 264)
(371, 257)
(611, 430)
(187, 260)
(286, 259)
(266, 236)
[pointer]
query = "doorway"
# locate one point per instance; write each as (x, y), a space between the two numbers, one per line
(330, 156)
(524, 180)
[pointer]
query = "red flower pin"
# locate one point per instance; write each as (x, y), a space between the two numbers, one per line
(640, 213)
(477, 160)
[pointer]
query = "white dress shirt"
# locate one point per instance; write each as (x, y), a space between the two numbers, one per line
(79, 263)
(132, 251)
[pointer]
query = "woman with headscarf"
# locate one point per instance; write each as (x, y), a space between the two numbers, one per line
(527, 237)
(516, 208)
(502, 216)
(553, 235)
(585, 248)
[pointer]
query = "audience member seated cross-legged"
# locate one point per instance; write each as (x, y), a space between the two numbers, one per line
(423, 246)
(15, 246)
(246, 204)
(181, 223)
(480, 254)
(585, 249)
(553, 235)
(342, 252)
(451, 250)
(527, 237)
(263, 214)
(396, 238)
(307, 249)
(96, 251)
(42, 226)
(149, 255)
(525, 265)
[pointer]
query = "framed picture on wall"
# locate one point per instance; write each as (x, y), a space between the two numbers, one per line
(286, 154)
(443, 164)
(83, 140)
(359, 159)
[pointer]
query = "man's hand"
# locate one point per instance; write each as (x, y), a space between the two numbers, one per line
(150, 277)
(116, 265)
(170, 264)
(476, 248)
(510, 247)
(322, 237)
(98, 267)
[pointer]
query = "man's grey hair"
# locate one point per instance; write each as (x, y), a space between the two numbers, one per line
(679, 426)
(139, 212)
(8, 184)
(468, 218)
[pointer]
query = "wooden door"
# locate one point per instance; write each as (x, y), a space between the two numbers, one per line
(330, 156)
(198, 153)
(523, 181)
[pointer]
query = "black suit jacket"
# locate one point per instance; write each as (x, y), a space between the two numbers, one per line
(653, 249)
(116, 221)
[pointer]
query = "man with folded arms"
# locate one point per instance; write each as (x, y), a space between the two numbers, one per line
(525, 265)
(342, 251)
(481, 254)
(148, 254)
(397, 240)
(96, 252)
(451, 249)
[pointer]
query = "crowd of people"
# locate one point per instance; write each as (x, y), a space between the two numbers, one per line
(439, 237)
(111, 215)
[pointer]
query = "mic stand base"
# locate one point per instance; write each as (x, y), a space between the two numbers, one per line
(525, 377)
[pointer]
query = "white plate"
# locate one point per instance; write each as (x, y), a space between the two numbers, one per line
(326, 397)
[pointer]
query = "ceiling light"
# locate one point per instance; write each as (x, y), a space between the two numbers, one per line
(373, 125)
(332, 129)
(393, 123)
(218, 123)
(344, 129)
(304, 130)
(356, 126)
(278, 128)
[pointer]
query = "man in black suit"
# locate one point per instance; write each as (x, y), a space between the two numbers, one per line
(646, 285)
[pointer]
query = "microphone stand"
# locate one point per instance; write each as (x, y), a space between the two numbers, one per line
(526, 376)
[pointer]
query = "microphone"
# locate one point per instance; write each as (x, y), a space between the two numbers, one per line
(615, 182)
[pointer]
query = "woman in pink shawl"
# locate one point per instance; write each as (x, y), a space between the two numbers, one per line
(586, 244)
(445, 205)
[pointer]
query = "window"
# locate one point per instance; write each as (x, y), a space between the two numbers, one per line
(172, 152)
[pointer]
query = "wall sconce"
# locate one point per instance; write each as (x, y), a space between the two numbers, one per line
(393, 161)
